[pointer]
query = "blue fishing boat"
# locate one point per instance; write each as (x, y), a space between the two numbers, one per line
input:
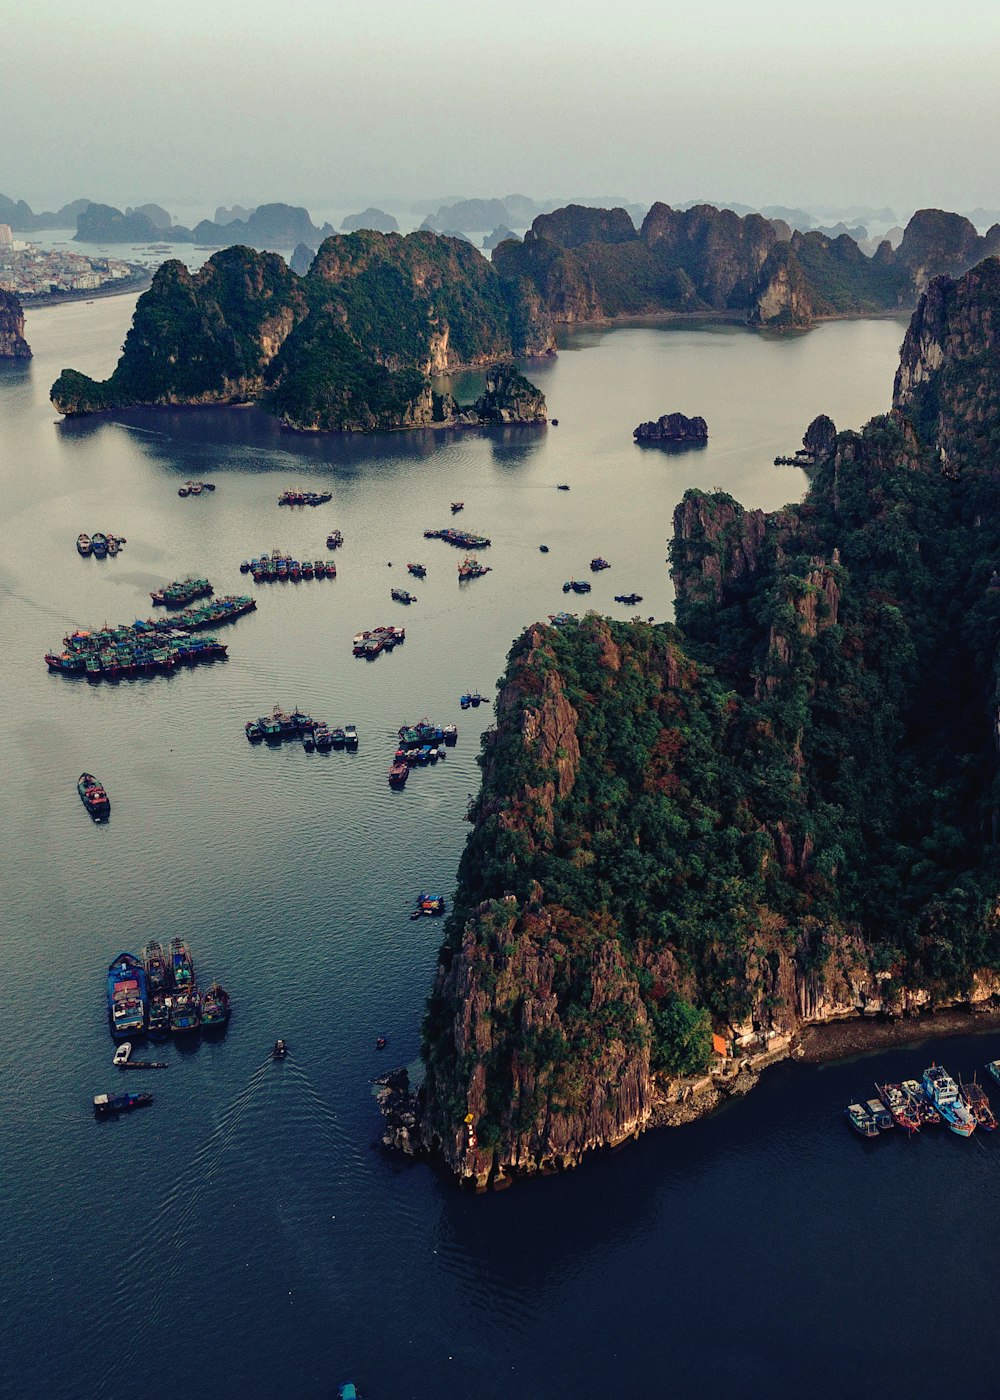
(127, 997)
(107, 1105)
(943, 1093)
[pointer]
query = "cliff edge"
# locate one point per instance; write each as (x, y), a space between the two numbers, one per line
(13, 345)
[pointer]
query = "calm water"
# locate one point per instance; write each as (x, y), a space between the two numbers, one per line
(242, 1237)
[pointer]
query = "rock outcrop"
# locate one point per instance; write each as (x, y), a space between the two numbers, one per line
(948, 379)
(781, 811)
(270, 226)
(103, 223)
(672, 428)
(820, 438)
(13, 345)
(350, 346)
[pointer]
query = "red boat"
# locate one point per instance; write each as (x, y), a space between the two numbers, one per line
(398, 773)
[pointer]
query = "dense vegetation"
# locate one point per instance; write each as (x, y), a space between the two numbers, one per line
(792, 789)
(349, 345)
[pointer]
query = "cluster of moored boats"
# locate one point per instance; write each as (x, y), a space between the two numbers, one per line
(99, 545)
(470, 567)
(150, 646)
(278, 567)
(182, 592)
(471, 700)
(935, 1099)
(158, 994)
(420, 744)
(195, 488)
(304, 498)
(295, 724)
(461, 539)
(576, 585)
(379, 639)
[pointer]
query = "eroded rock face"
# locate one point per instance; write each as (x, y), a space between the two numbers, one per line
(13, 345)
(820, 438)
(948, 379)
(672, 427)
(717, 543)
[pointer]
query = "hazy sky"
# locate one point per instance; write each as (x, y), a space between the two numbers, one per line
(322, 102)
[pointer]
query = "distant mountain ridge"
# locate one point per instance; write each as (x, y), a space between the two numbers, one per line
(589, 264)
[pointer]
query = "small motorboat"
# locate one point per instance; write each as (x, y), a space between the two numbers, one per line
(279, 1050)
(562, 487)
(403, 595)
(253, 731)
(99, 545)
(83, 544)
(93, 797)
(350, 736)
(381, 1043)
(629, 599)
(554, 422)
(114, 545)
(398, 773)
(543, 549)
(597, 564)
(122, 1053)
(456, 506)
(349, 1391)
(418, 570)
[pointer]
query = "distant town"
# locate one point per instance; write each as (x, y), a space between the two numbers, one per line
(34, 274)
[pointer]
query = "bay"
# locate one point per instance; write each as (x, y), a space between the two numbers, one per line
(243, 1234)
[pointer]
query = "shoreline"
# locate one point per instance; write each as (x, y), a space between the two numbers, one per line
(841, 1040)
(134, 286)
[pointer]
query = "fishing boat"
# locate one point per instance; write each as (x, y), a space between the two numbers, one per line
(350, 736)
(897, 1101)
(562, 487)
(431, 905)
(928, 1114)
(861, 1120)
(181, 965)
(470, 567)
(126, 996)
(279, 1050)
(629, 599)
(214, 1008)
(339, 737)
(155, 965)
(83, 544)
(597, 564)
(108, 1105)
(99, 545)
(185, 1011)
(943, 1093)
(576, 585)
(398, 773)
(543, 549)
(114, 545)
(158, 1019)
(403, 595)
(461, 539)
(418, 570)
(334, 539)
(456, 506)
(93, 797)
(881, 1115)
(450, 735)
(994, 1069)
(349, 1391)
(976, 1101)
(253, 731)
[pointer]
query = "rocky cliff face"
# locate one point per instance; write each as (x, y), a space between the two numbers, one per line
(13, 345)
(780, 812)
(672, 428)
(350, 346)
(948, 379)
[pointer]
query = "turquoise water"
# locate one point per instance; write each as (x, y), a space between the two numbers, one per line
(243, 1234)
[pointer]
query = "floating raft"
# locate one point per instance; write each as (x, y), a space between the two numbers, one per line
(379, 639)
(295, 724)
(461, 539)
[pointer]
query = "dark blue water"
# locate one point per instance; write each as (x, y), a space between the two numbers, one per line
(242, 1237)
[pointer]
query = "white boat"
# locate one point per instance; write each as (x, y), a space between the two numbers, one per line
(943, 1093)
(122, 1053)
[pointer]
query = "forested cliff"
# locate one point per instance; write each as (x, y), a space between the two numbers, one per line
(781, 810)
(351, 345)
(593, 264)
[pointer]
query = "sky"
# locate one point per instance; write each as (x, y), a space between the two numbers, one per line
(201, 102)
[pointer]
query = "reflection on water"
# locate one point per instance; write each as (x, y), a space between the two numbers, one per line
(244, 1221)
